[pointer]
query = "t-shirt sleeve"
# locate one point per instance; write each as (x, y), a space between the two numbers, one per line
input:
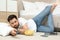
(22, 21)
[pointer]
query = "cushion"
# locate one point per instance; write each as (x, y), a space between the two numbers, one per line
(28, 5)
(5, 29)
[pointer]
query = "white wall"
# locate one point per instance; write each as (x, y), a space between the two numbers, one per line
(11, 5)
(58, 1)
(2, 5)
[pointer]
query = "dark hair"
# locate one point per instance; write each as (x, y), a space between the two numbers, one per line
(10, 17)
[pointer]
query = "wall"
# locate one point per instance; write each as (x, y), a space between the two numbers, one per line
(2, 5)
(11, 5)
(7, 7)
(58, 1)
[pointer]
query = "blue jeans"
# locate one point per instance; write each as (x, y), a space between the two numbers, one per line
(39, 19)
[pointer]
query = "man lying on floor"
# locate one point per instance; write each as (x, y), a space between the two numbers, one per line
(34, 24)
(20, 25)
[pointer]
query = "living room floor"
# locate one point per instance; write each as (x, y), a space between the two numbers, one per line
(36, 36)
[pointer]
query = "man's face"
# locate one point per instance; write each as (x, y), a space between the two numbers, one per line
(14, 23)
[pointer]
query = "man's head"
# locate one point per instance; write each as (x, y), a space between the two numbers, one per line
(13, 21)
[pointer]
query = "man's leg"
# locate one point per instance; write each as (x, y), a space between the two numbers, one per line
(39, 18)
(49, 27)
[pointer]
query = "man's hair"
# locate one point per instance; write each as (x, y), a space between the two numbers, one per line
(10, 17)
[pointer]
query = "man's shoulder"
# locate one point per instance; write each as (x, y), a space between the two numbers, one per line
(21, 19)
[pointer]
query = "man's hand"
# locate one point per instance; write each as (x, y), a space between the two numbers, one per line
(21, 31)
(13, 32)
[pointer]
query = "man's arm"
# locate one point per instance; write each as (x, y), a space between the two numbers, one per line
(22, 30)
(13, 32)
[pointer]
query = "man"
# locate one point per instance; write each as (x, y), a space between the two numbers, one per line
(35, 23)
